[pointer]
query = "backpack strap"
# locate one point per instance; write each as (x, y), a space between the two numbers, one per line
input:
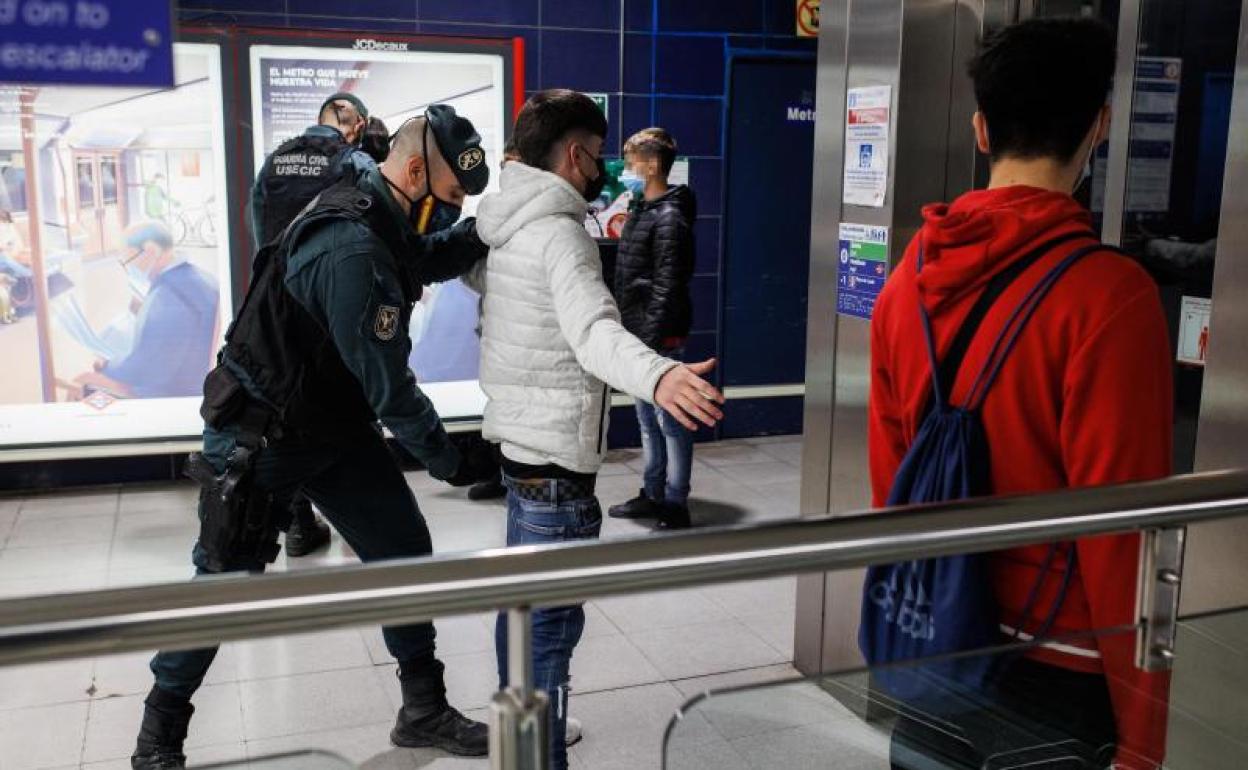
(945, 373)
(1008, 337)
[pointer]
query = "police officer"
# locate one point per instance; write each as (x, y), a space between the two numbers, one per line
(292, 175)
(316, 356)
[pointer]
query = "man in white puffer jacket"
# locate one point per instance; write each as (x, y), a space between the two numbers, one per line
(551, 347)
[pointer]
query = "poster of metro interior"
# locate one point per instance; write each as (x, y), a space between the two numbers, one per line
(397, 79)
(114, 256)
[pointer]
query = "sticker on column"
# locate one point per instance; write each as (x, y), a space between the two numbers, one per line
(1194, 330)
(862, 266)
(866, 145)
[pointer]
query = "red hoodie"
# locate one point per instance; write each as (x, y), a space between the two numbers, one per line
(1085, 399)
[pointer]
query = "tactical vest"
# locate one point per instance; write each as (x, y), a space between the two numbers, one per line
(297, 171)
(277, 353)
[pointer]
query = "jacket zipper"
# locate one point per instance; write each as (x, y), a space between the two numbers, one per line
(602, 419)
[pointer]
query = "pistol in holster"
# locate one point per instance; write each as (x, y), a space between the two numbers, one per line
(238, 522)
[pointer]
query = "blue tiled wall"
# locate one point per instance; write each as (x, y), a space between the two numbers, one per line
(671, 73)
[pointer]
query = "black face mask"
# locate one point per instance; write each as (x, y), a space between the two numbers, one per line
(595, 186)
(431, 214)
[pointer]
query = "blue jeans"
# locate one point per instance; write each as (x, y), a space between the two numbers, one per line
(556, 630)
(357, 484)
(668, 450)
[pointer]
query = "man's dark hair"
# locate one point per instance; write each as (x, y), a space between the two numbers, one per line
(546, 120)
(1041, 83)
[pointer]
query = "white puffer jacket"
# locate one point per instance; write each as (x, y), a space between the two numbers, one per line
(550, 331)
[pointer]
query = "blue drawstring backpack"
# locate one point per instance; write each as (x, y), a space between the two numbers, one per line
(934, 607)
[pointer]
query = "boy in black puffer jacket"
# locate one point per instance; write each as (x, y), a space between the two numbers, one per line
(652, 274)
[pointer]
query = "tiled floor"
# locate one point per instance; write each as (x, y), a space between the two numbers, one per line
(642, 657)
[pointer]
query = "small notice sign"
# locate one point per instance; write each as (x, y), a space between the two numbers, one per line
(87, 42)
(1194, 317)
(604, 103)
(862, 266)
(866, 145)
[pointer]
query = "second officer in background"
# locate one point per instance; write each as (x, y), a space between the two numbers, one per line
(292, 175)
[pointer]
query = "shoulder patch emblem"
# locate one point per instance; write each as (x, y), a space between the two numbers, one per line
(386, 324)
(471, 158)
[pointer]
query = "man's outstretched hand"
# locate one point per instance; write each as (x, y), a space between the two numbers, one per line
(690, 399)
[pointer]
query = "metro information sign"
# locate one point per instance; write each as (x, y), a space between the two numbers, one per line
(87, 42)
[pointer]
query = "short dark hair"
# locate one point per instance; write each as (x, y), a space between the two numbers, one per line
(548, 117)
(653, 142)
(1041, 83)
(376, 139)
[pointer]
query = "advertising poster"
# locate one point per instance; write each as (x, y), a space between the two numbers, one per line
(289, 84)
(866, 145)
(114, 258)
(862, 267)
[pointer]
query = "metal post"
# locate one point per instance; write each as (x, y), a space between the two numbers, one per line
(1161, 571)
(1123, 108)
(39, 274)
(519, 714)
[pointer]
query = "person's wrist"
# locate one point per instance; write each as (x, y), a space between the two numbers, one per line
(445, 464)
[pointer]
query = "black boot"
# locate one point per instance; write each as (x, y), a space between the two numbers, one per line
(673, 516)
(307, 533)
(165, 719)
(640, 507)
(487, 490)
(426, 719)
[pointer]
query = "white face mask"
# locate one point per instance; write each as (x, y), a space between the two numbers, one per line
(1085, 172)
(139, 281)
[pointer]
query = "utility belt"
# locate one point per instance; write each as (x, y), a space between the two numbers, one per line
(238, 522)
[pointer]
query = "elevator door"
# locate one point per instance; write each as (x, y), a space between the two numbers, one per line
(1166, 215)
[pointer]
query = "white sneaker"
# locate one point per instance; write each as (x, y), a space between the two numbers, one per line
(574, 732)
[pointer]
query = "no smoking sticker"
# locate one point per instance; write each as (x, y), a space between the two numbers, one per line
(807, 18)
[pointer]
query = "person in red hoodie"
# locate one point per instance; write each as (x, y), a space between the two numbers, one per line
(1085, 398)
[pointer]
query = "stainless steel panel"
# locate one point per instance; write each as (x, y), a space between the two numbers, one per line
(919, 48)
(1120, 128)
(911, 46)
(965, 168)
(873, 58)
(1216, 566)
(821, 312)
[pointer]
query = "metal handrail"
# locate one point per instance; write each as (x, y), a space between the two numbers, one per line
(217, 609)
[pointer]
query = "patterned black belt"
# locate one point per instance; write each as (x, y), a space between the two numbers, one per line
(551, 490)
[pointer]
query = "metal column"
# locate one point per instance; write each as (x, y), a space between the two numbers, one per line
(519, 715)
(917, 47)
(1215, 564)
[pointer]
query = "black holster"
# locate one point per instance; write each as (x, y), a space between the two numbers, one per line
(238, 522)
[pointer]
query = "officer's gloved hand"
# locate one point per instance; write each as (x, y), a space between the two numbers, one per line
(471, 241)
(477, 462)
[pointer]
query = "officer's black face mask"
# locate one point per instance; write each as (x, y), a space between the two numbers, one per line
(432, 214)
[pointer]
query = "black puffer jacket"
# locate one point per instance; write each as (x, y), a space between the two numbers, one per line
(654, 266)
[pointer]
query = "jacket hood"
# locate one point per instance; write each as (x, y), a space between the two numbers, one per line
(681, 196)
(526, 194)
(969, 241)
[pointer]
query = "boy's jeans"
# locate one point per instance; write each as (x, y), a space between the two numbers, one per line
(550, 511)
(668, 450)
